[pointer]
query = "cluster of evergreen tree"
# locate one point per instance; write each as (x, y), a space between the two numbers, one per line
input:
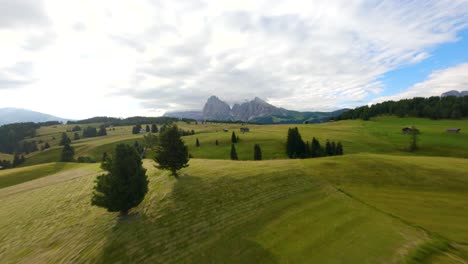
(89, 132)
(181, 131)
(27, 147)
(17, 160)
(93, 132)
(434, 107)
(297, 148)
(136, 129)
(333, 149)
(153, 129)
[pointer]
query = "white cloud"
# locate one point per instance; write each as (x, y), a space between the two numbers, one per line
(438, 82)
(152, 56)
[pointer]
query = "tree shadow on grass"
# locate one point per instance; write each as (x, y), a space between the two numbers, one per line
(201, 221)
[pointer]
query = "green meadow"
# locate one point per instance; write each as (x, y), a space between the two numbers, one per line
(378, 203)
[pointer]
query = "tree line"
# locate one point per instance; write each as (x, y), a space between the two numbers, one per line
(435, 107)
(130, 121)
(296, 148)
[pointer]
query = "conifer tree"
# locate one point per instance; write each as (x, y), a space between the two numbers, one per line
(64, 140)
(315, 149)
(125, 184)
(68, 153)
(328, 148)
(339, 149)
(257, 152)
(233, 137)
(197, 143)
(233, 152)
(333, 148)
(216, 143)
(171, 153)
(76, 136)
(154, 128)
(148, 129)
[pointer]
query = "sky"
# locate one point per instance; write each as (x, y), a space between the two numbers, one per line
(82, 58)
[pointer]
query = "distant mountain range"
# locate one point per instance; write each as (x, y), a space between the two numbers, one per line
(17, 115)
(254, 111)
(455, 93)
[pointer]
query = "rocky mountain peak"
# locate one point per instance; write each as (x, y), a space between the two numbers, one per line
(455, 93)
(215, 109)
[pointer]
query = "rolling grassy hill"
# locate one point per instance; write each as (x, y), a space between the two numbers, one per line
(363, 208)
(5, 156)
(380, 135)
(376, 204)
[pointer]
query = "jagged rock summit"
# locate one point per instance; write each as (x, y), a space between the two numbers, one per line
(215, 109)
(254, 111)
(455, 93)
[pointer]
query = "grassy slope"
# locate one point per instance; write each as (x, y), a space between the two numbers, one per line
(381, 135)
(20, 175)
(331, 210)
(5, 156)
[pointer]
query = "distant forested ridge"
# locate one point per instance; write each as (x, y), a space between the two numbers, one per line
(130, 121)
(435, 107)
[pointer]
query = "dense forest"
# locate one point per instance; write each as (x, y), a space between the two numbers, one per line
(12, 134)
(434, 107)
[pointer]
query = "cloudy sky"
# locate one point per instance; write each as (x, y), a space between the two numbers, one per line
(82, 58)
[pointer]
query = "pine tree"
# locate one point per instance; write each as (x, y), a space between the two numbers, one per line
(68, 153)
(216, 143)
(328, 148)
(148, 129)
(315, 149)
(233, 152)
(154, 128)
(171, 154)
(125, 185)
(339, 149)
(333, 148)
(295, 146)
(233, 137)
(257, 152)
(64, 140)
(197, 143)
